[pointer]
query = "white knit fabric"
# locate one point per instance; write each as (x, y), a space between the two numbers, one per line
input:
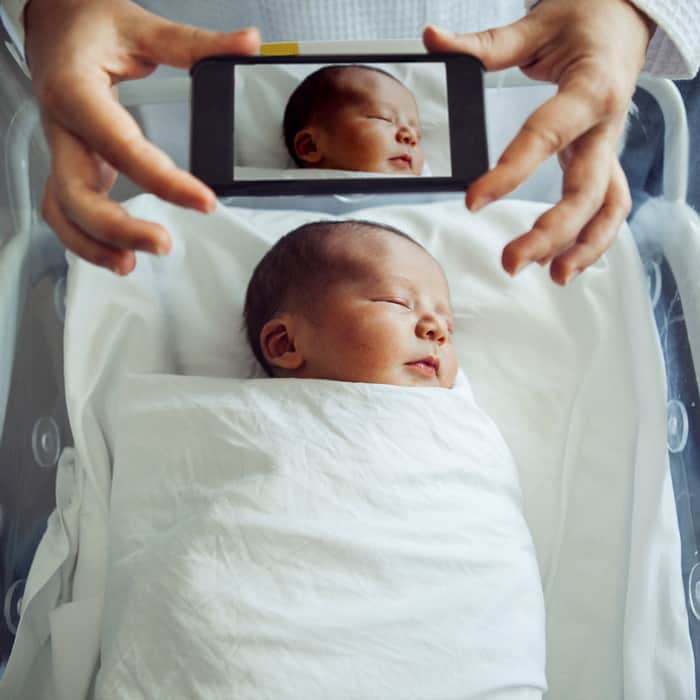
(674, 51)
(281, 20)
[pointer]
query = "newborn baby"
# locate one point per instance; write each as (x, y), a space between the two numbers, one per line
(353, 301)
(354, 118)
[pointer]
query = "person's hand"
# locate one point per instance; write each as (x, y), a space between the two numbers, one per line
(78, 50)
(594, 51)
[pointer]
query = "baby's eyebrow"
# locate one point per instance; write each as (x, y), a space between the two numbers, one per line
(447, 311)
(390, 107)
(408, 285)
(405, 281)
(379, 104)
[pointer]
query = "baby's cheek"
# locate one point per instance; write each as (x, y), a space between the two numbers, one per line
(418, 163)
(376, 353)
(453, 368)
(361, 348)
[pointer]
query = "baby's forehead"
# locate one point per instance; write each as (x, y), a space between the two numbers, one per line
(360, 82)
(383, 257)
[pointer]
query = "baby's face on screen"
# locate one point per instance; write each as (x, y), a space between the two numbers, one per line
(390, 322)
(374, 129)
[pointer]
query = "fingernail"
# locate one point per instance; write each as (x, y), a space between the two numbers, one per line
(210, 205)
(571, 276)
(520, 266)
(440, 31)
(161, 248)
(480, 203)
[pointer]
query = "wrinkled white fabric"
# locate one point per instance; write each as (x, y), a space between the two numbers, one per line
(315, 539)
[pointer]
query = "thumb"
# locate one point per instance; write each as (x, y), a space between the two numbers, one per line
(181, 45)
(512, 45)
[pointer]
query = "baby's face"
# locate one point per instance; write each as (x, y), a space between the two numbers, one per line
(376, 130)
(391, 324)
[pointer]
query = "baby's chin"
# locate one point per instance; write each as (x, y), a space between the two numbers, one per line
(413, 383)
(424, 385)
(396, 167)
(400, 167)
(405, 376)
(410, 376)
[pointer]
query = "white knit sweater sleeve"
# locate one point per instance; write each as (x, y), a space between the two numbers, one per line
(674, 50)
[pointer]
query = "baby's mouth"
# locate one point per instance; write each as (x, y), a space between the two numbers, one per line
(427, 366)
(404, 161)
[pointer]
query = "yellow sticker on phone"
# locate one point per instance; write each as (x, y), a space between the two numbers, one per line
(280, 48)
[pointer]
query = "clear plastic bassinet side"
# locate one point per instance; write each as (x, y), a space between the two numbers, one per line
(33, 420)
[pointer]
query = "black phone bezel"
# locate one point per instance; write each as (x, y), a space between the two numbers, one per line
(212, 128)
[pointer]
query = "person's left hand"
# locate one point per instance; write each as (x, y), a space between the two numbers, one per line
(594, 51)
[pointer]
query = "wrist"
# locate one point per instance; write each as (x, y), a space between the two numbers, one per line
(44, 20)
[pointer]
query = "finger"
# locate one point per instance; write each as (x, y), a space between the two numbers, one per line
(599, 234)
(548, 130)
(121, 262)
(107, 176)
(91, 113)
(502, 47)
(80, 193)
(181, 45)
(585, 183)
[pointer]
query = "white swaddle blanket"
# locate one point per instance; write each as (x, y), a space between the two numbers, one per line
(291, 538)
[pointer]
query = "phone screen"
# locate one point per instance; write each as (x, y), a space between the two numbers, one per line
(324, 120)
(298, 125)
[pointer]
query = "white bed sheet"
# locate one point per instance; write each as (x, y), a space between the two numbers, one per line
(573, 378)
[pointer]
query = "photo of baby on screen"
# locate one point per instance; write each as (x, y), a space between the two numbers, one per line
(354, 117)
(329, 121)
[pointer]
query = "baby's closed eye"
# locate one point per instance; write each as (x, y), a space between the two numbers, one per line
(396, 300)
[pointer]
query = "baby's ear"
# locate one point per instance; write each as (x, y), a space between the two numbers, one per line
(306, 147)
(277, 344)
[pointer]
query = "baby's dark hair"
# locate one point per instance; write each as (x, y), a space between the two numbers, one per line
(317, 92)
(297, 269)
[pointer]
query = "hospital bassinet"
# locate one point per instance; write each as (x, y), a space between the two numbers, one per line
(34, 426)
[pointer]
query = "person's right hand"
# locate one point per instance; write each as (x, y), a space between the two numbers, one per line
(78, 50)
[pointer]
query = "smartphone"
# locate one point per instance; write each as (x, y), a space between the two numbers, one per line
(337, 124)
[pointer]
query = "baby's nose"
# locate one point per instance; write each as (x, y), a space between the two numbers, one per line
(433, 329)
(407, 136)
